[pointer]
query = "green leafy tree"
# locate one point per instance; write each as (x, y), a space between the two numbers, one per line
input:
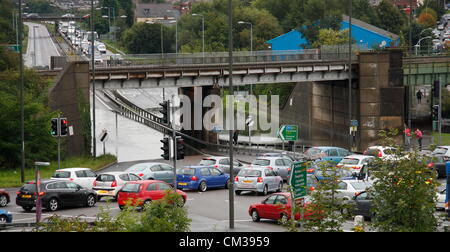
(404, 192)
(391, 19)
(144, 38)
(331, 37)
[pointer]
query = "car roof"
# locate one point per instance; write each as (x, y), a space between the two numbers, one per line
(358, 156)
(215, 157)
(197, 166)
(114, 173)
(149, 163)
(74, 169)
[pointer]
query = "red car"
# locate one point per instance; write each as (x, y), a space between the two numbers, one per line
(4, 198)
(142, 192)
(277, 206)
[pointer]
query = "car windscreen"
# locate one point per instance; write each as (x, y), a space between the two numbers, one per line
(350, 161)
(28, 188)
(261, 162)
(313, 151)
(105, 178)
(61, 174)
(249, 173)
(208, 162)
(439, 151)
(372, 152)
(131, 188)
(137, 168)
(186, 171)
(360, 186)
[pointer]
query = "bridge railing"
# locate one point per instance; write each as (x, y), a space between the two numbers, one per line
(217, 58)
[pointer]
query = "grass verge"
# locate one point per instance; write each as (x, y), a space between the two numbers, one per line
(11, 178)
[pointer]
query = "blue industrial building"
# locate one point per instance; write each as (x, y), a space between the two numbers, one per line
(363, 34)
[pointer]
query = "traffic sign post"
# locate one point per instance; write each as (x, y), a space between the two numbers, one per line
(288, 132)
(298, 186)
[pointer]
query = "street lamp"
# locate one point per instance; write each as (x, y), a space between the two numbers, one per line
(176, 34)
(203, 32)
(251, 34)
(418, 43)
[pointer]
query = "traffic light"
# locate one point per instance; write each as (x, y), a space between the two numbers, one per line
(435, 112)
(180, 148)
(436, 89)
(165, 148)
(54, 130)
(165, 111)
(64, 126)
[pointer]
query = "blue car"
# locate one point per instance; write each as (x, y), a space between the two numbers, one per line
(201, 178)
(335, 154)
(5, 217)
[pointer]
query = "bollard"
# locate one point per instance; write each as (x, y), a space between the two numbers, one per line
(358, 223)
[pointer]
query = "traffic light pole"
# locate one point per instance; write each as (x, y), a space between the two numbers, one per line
(59, 141)
(174, 138)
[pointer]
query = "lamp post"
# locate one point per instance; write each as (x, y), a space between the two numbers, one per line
(203, 32)
(176, 34)
(251, 34)
(94, 139)
(418, 43)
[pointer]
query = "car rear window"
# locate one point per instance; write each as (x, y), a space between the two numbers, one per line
(261, 162)
(440, 151)
(186, 171)
(61, 174)
(350, 161)
(313, 151)
(360, 186)
(28, 188)
(131, 188)
(105, 178)
(249, 173)
(372, 152)
(208, 162)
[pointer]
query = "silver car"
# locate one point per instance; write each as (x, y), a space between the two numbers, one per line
(153, 171)
(347, 189)
(222, 163)
(262, 180)
(280, 165)
(109, 184)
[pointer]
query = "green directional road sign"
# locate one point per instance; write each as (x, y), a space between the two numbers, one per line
(298, 180)
(288, 132)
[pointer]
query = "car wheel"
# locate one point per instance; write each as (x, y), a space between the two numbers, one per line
(255, 216)
(53, 204)
(266, 190)
(284, 218)
(203, 186)
(227, 183)
(146, 203)
(3, 201)
(2, 219)
(237, 192)
(280, 187)
(90, 201)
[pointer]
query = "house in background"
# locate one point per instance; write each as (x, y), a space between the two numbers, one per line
(364, 34)
(155, 13)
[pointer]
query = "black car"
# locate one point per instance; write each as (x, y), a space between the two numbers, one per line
(362, 205)
(437, 163)
(55, 194)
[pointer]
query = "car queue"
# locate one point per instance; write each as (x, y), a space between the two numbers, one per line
(146, 182)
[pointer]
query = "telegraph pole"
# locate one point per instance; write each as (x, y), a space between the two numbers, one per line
(94, 144)
(231, 111)
(21, 95)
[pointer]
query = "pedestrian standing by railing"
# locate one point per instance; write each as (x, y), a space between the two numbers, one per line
(419, 138)
(407, 132)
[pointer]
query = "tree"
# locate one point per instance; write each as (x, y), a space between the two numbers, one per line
(319, 15)
(427, 20)
(331, 37)
(391, 19)
(404, 192)
(143, 38)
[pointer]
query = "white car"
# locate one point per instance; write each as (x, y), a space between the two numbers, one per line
(355, 162)
(109, 184)
(101, 48)
(222, 163)
(383, 152)
(281, 165)
(83, 176)
(349, 188)
(442, 150)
